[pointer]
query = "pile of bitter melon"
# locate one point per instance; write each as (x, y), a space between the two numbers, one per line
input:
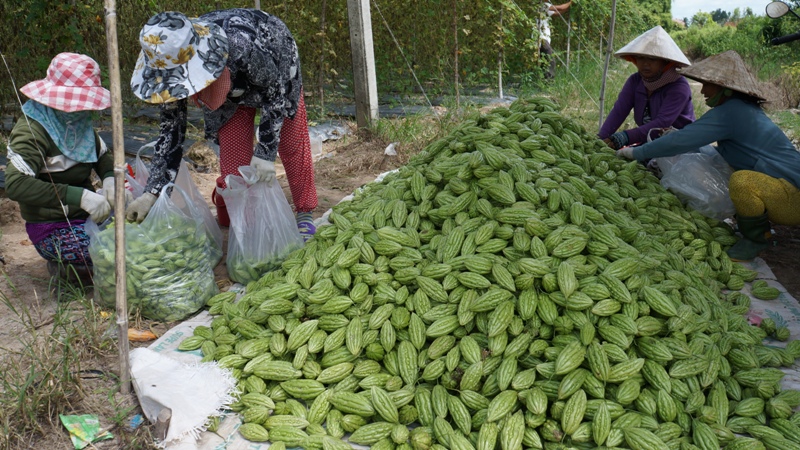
(514, 286)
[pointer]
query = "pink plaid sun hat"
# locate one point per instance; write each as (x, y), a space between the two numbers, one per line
(72, 84)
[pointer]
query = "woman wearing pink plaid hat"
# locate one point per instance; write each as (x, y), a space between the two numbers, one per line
(229, 63)
(52, 152)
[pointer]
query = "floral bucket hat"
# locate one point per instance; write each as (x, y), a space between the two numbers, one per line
(179, 57)
(727, 70)
(72, 84)
(653, 43)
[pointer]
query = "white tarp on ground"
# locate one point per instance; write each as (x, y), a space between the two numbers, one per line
(785, 311)
(226, 437)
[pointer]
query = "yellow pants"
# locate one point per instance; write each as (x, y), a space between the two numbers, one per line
(754, 193)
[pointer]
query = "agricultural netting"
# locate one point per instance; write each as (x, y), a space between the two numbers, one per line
(515, 285)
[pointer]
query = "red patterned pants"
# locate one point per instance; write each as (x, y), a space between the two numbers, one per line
(294, 149)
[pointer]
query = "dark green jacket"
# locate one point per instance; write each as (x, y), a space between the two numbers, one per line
(40, 178)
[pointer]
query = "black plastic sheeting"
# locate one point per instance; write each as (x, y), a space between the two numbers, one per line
(3, 162)
(135, 137)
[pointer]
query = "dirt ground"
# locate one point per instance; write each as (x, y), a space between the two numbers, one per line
(784, 258)
(30, 306)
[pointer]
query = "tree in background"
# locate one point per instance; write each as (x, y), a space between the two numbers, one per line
(658, 12)
(701, 19)
(720, 16)
(737, 15)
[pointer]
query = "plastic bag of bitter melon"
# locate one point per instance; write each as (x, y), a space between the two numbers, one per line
(199, 207)
(262, 230)
(169, 261)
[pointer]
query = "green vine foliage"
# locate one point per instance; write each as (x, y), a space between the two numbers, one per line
(417, 43)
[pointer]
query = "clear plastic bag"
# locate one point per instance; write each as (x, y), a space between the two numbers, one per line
(141, 173)
(185, 182)
(169, 260)
(700, 180)
(262, 231)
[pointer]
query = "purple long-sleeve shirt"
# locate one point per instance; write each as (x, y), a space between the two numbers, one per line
(670, 105)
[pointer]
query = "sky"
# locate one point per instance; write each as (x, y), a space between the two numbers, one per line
(687, 8)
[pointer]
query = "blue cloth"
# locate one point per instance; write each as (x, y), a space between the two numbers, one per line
(745, 137)
(72, 132)
(619, 139)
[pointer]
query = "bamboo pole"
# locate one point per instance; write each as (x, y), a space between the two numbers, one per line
(609, 49)
(119, 195)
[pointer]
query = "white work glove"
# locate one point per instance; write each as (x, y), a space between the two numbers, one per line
(96, 205)
(264, 170)
(108, 192)
(625, 152)
(138, 209)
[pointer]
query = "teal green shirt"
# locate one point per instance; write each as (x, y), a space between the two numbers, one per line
(746, 138)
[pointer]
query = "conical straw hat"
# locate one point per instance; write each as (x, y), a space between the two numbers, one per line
(727, 70)
(654, 43)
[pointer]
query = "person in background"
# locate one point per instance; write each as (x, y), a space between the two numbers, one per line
(543, 24)
(229, 63)
(52, 152)
(658, 95)
(766, 177)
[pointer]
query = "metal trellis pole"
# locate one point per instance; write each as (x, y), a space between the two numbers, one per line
(610, 48)
(569, 38)
(500, 63)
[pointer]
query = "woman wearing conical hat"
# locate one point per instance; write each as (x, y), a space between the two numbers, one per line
(658, 95)
(766, 177)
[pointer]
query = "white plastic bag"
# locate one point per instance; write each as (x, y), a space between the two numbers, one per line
(169, 260)
(700, 180)
(141, 173)
(263, 229)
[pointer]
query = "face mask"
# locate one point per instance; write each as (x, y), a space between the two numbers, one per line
(715, 100)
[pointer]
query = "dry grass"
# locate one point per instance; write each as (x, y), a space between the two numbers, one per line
(66, 364)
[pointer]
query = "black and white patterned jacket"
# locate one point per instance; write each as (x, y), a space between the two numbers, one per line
(265, 73)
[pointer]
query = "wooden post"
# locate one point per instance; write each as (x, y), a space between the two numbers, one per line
(119, 194)
(608, 58)
(366, 85)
